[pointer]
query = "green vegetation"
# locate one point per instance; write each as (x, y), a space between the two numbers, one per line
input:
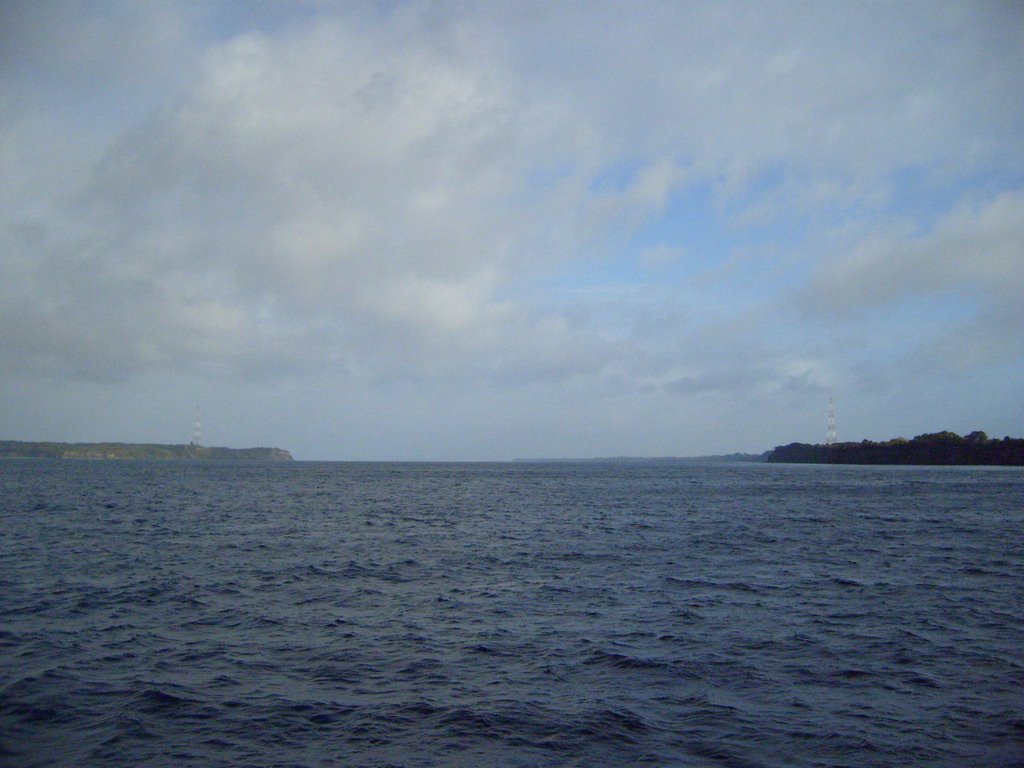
(938, 448)
(12, 449)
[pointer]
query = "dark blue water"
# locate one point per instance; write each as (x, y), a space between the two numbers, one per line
(308, 614)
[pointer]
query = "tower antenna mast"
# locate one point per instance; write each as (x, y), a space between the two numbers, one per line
(830, 431)
(197, 434)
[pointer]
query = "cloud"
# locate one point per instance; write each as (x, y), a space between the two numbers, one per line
(291, 183)
(974, 250)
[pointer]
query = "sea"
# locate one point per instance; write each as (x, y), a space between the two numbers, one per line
(510, 614)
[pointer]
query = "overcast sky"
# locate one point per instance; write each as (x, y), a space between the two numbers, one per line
(473, 230)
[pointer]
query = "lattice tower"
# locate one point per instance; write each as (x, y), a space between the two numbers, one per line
(830, 431)
(197, 434)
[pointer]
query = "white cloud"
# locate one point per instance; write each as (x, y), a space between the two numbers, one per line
(975, 249)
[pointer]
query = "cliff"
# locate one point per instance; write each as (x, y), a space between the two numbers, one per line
(13, 449)
(936, 449)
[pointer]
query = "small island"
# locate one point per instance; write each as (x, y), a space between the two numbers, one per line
(934, 449)
(14, 449)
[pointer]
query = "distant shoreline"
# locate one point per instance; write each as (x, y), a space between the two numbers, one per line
(16, 449)
(935, 449)
(725, 458)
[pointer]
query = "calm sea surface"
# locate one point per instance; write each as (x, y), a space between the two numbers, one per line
(176, 614)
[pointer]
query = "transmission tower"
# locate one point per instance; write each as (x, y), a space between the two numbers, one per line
(830, 431)
(197, 434)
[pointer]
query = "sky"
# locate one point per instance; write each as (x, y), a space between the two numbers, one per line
(491, 230)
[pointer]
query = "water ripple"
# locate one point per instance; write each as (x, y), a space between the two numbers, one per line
(521, 615)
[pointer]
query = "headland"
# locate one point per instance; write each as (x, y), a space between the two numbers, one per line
(14, 449)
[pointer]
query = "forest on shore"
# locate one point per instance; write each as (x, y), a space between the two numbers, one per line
(938, 449)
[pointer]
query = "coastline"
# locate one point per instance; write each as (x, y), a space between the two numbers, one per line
(16, 449)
